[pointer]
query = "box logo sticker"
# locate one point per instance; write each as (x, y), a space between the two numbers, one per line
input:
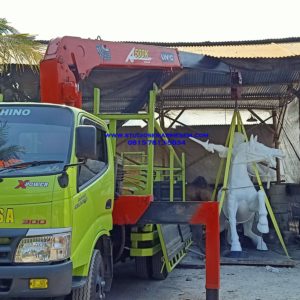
(104, 52)
(23, 184)
(167, 57)
(137, 54)
(14, 112)
(7, 215)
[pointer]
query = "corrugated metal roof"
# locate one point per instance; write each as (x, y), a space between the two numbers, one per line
(217, 43)
(260, 90)
(278, 77)
(271, 50)
(221, 104)
(269, 68)
(267, 48)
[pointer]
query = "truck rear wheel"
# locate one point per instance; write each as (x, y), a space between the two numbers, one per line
(94, 286)
(143, 267)
(159, 269)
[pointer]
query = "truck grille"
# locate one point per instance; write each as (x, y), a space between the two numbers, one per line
(9, 240)
(5, 285)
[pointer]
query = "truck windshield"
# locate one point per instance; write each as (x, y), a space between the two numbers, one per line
(34, 140)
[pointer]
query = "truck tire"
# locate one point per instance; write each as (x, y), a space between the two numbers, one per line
(94, 286)
(143, 267)
(157, 263)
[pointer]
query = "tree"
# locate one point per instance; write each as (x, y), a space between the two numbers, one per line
(18, 51)
(17, 48)
(7, 152)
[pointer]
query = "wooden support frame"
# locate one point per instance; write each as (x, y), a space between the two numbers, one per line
(177, 117)
(261, 120)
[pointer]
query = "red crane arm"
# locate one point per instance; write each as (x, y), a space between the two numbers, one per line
(70, 59)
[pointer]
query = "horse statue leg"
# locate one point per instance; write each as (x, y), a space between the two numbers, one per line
(262, 224)
(256, 239)
(232, 207)
(257, 204)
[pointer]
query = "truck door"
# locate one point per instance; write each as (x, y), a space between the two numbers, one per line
(94, 200)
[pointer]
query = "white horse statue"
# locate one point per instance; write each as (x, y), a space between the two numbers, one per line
(242, 200)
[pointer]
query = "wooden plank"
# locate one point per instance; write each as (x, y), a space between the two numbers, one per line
(252, 257)
(257, 262)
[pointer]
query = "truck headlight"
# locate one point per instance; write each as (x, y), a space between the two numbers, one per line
(47, 248)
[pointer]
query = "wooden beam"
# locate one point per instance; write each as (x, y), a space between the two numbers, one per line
(261, 120)
(173, 79)
(276, 141)
(281, 119)
(178, 116)
(189, 127)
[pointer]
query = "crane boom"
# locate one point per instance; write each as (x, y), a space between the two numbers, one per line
(69, 60)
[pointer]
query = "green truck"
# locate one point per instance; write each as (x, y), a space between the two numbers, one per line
(58, 187)
(71, 202)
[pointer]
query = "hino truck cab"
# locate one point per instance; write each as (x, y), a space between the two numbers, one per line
(56, 200)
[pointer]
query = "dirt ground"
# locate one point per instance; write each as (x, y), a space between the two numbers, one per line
(237, 282)
(187, 282)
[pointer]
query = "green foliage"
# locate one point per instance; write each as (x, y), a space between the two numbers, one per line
(17, 48)
(7, 152)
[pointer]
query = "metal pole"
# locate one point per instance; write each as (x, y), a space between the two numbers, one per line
(160, 131)
(276, 142)
(150, 147)
(113, 130)
(208, 215)
(171, 176)
(212, 294)
(96, 109)
(183, 175)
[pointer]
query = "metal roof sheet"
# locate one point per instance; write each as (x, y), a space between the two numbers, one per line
(269, 68)
(271, 50)
(221, 104)
(218, 43)
(267, 48)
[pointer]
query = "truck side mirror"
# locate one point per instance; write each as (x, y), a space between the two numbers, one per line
(86, 142)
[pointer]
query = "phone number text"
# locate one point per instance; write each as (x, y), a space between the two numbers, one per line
(135, 142)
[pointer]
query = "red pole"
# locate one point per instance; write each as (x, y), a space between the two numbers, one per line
(208, 214)
(130, 209)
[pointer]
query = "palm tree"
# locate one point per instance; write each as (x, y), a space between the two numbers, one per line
(17, 48)
(7, 152)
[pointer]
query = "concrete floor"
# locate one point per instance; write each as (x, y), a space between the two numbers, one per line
(187, 282)
(237, 282)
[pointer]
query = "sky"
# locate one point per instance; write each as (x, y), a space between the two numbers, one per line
(155, 20)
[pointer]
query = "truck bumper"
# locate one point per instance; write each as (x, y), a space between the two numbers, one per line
(14, 280)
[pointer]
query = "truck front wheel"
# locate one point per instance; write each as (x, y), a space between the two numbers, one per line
(94, 286)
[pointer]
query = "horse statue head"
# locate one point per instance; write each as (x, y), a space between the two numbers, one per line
(253, 151)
